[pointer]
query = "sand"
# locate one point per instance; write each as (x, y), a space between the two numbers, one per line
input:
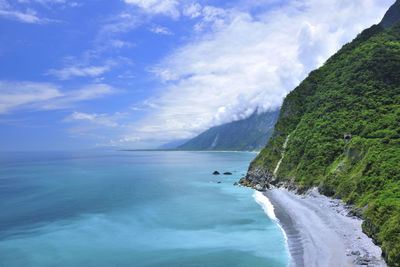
(321, 232)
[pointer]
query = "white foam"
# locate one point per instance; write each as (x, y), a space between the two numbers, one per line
(264, 202)
(269, 209)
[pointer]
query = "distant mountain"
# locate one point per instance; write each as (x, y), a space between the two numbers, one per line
(174, 144)
(339, 130)
(248, 134)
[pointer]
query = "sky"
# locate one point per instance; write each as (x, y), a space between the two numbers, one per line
(141, 73)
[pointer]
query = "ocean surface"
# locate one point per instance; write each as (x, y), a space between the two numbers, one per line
(133, 209)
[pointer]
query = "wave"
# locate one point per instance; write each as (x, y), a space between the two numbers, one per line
(268, 208)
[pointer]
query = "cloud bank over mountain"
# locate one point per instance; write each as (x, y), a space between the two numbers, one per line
(241, 59)
(140, 73)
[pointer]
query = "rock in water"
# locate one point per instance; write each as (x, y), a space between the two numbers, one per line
(216, 173)
(227, 173)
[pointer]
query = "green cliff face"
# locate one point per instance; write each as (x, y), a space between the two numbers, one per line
(357, 92)
(243, 135)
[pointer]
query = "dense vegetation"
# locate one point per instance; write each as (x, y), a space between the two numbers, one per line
(357, 91)
(248, 134)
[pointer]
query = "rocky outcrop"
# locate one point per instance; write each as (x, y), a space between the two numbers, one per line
(260, 179)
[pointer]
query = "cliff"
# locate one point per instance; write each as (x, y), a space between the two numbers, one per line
(357, 92)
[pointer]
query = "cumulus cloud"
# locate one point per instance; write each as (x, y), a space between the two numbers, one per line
(192, 10)
(46, 96)
(249, 61)
(164, 7)
(160, 30)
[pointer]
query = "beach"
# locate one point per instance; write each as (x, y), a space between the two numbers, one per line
(321, 232)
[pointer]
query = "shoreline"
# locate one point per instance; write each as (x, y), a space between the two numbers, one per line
(177, 150)
(319, 231)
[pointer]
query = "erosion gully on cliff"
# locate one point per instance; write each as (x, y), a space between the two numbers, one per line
(262, 179)
(283, 154)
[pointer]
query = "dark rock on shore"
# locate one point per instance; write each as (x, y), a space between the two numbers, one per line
(255, 180)
(366, 260)
(258, 179)
(261, 179)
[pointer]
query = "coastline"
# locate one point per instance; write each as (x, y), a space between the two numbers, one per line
(320, 232)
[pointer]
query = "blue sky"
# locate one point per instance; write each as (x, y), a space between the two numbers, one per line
(140, 73)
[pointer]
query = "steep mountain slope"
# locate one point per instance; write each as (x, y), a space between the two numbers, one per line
(357, 92)
(248, 134)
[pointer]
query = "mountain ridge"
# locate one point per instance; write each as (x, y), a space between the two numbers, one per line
(242, 135)
(391, 16)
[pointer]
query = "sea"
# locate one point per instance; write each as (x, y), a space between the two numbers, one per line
(134, 208)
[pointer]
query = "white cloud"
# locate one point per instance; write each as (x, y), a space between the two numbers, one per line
(211, 13)
(79, 71)
(46, 96)
(62, 3)
(119, 43)
(96, 119)
(211, 16)
(107, 40)
(248, 61)
(27, 17)
(95, 126)
(17, 94)
(164, 7)
(160, 30)
(193, 10)
(44, 1)
(91, 91)
(118, 24)
(23, 13)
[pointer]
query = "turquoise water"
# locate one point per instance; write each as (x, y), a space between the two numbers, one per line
(132, 209)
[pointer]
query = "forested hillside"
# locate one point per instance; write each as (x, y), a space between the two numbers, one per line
(356, 92)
